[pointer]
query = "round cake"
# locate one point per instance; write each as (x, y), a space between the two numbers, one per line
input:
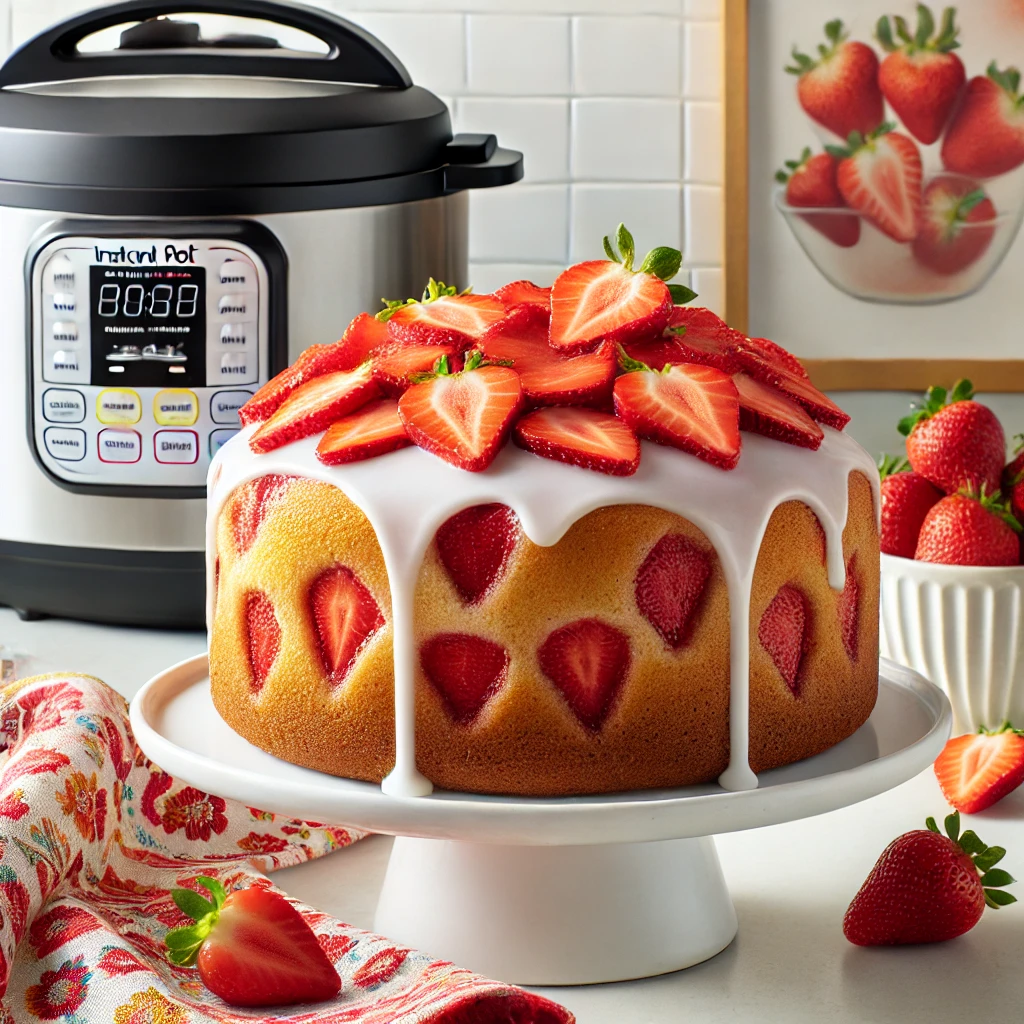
(566, 619)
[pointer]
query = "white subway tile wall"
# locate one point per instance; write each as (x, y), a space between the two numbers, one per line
(616, 105)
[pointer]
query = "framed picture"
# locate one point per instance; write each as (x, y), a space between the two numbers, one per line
(875, 188)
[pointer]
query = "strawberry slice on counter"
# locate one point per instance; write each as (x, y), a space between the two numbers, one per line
(581, 437)
(252, 947)
(374, 430)
(517, 292)
(463, 418)
(977, 770)
(443, 317)
(811, 182)
(314, 406)
(395, 364)
(795, 387)
(685, 405)
(766, 411)
(958, 223)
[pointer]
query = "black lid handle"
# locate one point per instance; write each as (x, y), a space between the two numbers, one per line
(354, 56)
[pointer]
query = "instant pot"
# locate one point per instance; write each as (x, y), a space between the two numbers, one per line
(180, 215)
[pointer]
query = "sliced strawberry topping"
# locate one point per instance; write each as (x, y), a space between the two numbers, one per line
(588, 662)
(582, 437)
(262, 637)
(464, 417)
(764, 410)
(688, 406)
(979, 769)
(315, 406)
(849, 610)
(475, 547)
(783, 634)
(346, 617)
(394, 364)
(518, 292)
(771, 352)
(799, 389)
(465, 670)
(252, 504)
(315, 361)
(376, 429)
(365, 334)
(669, 586)
(444, 318)
(657, 351)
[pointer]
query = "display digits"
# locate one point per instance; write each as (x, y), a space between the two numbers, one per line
(157, 303)
(160, 300)
(109, 295)
(187, 300)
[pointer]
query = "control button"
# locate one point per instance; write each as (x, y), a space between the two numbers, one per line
(61, 405)
(64, 332)
(237, 366)
(224, 406)
(218, 439)
(65, 362)
(120, 446)
(65, 443)
(236, 273)
(118, 405)
(176, 446)
(62, 274)
(236, 335)
(63, 302)
(176, 407)
(235, 305)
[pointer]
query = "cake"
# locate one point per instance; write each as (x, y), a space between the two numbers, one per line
(482, 544)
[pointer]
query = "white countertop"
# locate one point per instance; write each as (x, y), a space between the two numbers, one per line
(791, 884)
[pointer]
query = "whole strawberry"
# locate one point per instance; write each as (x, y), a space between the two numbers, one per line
(928, 887)
(954, 441)
(1013, 479)
(811, 181)
(907, 497)
(969, 528)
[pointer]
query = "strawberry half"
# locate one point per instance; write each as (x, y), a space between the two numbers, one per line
(395, 364)
(314, 406)
(376, 429)
(442, 317)
(346, 617)
(462, 417)
(465, 670)
(517, 292)
(252, 947)
(763, 410)
(799, 389)
(581, 437)
(688, 406)
(475, 547)
(977, 770)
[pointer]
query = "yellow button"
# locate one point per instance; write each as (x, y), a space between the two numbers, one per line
(176, 407)
(118, 405)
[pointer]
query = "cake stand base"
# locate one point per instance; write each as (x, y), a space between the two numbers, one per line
(591, 913)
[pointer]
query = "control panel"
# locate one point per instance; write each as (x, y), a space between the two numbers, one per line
(143, 350)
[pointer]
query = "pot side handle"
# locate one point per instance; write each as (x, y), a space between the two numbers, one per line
(477, 161)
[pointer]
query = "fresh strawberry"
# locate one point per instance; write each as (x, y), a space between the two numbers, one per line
(879, 175)
(661, 349)
(694, 335)
(252, 947)
(669, 587)
(957, 224)
(921, 77)
(395, 364)
(251, 505)
(475, 547)
(849, 611)
(517, 292)
(374, 430)
(907, 497)
(764, 410)
(443, 317)
(772, 352)
(977, 770)
(314, 406)
(548, 378)
(699, 320)
(953, 441)
(315, 361)
(462, 417)
(798, 388)
(927, 887)
(688, 406)
(363, 336)
(345, 616)
(582, 437)
(1013, 480)
(262, 636)
(783, 634)
(840, 89)
(811, 181)
(969, 528)
(986, 135)
(608, 299)
(465, 670)
(587, 661)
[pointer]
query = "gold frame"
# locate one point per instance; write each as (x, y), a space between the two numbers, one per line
(998, 375)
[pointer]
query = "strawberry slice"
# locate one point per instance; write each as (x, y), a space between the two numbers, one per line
(463, 418)
(700, 320)
(443, 317)
(849, 611)
(465, 670)
(547, 377)
(799, 389)
(262, 636)
(315, 361)
(517, 292)
(687, 406)
(346, 617)
(252, 947)
(979, 769)
(783, 634)
(251, 506)
(374, 430)
(669, 587)
(763, 410)
(365, 334)
(582, 437)
(395, 364)
(475, 547)
(772, 352)
(314, 406)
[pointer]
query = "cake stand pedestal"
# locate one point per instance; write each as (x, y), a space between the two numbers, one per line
(565, 891)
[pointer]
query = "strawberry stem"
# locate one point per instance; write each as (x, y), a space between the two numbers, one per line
(802, 63)
(1008, 81)
(434, 290)
(935, 399)
(994, 503)
(984, 859)
(891, 464)
(662, 261)
(922, 39)
(183, 944)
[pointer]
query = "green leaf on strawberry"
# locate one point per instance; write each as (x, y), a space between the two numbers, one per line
(935, 399)
(888, 465)
(184, 943)
(431, 293)
(924, 38)
(681, 295)
(994, 503)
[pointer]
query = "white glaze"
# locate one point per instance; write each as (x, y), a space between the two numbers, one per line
(408, 494)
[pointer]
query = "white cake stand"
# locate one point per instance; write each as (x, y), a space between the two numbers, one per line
(549, 891)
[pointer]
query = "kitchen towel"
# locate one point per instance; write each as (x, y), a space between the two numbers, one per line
(93, 837)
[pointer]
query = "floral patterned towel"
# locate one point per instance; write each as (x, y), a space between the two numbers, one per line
(92, 839)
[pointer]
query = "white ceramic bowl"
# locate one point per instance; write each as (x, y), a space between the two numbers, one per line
(961, 627)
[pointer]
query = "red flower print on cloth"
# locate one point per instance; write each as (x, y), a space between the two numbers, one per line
(255, 843)
(381, 967)
(46, 707)
(58, 926)
(85, 803)
(116, 962)
(59, 993)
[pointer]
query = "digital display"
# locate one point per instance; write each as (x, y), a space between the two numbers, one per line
(148, 325)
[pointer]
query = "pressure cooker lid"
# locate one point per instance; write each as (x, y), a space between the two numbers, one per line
(168, 107)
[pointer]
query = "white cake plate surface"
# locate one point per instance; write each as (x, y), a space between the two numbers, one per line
(549, 891)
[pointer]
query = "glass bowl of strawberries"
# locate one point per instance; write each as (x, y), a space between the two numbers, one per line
(952, 583)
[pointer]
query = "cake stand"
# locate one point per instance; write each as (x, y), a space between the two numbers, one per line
(548, 891)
